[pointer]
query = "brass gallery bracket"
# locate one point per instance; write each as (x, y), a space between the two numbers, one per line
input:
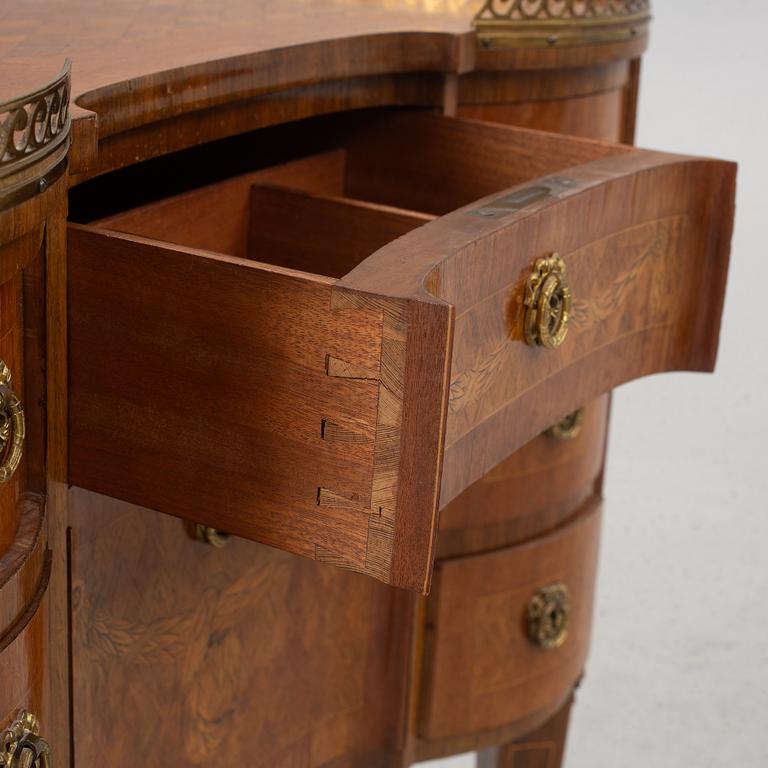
(560, 23)
(34, 136)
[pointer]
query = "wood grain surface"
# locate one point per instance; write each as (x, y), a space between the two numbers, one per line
(234, 392)
(24, 663)
(482, 670)
(22, 348)
(24, 571)
(216, 217)
(141, 71)
(330, 235)
(533, 491)
(11, 352)
(241, 656)
(33, 571)
(213, 381)
(648, 279)
(331, 393)
(542, 748)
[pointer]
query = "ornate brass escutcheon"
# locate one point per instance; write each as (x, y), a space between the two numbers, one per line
(11, 426)
(548, 612)
(547, 303)
(21, 745)
(568, 427)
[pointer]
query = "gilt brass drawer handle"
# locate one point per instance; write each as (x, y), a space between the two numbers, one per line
(548, 612)
(22, 746)
(212, 536)
(568, 427)
(547, 303)
(11, 426)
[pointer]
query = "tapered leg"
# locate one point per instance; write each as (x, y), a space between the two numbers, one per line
(543, 748)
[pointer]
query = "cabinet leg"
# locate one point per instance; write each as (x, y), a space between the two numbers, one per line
(543, 748)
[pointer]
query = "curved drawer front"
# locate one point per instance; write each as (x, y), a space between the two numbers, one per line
(309, 409)
(533, 491)
(24, 574)
(487, 664)
(22, 666)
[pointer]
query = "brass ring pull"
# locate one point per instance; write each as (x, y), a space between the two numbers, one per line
(547, 303)
(548, 614)
(12, 429)
(212, 536)
(21, 745)
(568, 427)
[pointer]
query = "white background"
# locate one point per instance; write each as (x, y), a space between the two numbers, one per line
(678, 671)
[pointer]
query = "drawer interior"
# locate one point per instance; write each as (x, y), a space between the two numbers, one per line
(295, 215)
(378, 176)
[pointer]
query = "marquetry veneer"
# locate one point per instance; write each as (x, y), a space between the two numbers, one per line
(292, 304)
(328, 398)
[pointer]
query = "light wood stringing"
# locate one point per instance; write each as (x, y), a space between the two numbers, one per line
(371, 352)
(482, 669)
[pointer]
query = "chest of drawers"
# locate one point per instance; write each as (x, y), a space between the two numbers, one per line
(319, 328)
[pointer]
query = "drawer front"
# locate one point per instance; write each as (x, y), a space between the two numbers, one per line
(25, 561)
(488, 663)
(22, 377)
(33, 622)
(644, 238)
(533, 491)
(22, 665)
(333, 417)
(25, 569)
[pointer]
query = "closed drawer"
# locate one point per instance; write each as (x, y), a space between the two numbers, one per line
(536, 489)
(25, 569)
(508, 632)
(321, 354)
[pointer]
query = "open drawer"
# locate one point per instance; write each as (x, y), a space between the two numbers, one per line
(297, 355)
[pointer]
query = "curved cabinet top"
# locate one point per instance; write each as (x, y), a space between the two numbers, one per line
(134, 66)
